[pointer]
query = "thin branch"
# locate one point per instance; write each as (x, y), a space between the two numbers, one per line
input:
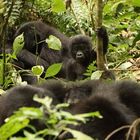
(99, 40)
(133, 69)
(116, 131)
(81, 30)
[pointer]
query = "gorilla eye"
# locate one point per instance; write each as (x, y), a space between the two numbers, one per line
(74, 50)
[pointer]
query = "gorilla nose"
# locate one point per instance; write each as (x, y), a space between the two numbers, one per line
(79, 54)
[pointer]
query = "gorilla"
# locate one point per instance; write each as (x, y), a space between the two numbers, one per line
(76, 53)
(115, 115)
(82, 53)
(117, 102)
(35, 34)
(18, 97)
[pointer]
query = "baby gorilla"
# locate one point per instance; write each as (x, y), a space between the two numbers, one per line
(35, 34)
(80, 48)
(81, 52)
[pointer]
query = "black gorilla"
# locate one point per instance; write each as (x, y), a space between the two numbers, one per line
(35, 34)
(76, 54)
(18, 97)
(36, 50)
(118, 103)
(129, 94)
(80, 48)
(115, 115)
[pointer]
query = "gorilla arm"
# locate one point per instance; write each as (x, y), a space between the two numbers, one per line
(31, 59)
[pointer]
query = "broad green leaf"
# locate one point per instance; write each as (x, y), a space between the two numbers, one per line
(53, 70)
(19, 120)
(54, 43)
(125, 65)
(37, 70)
(12, 127)
(58, 6)
(18, 45)
(96, 74)
(79, 135)
(31, 112)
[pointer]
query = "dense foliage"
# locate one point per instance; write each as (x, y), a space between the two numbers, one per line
(120, 17)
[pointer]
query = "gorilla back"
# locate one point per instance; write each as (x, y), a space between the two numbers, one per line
(35, 34)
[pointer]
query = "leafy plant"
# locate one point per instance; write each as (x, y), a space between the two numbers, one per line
(54, 118)
(53, 70)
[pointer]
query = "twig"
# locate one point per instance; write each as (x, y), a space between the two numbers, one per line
(117, 130)
(134, 69)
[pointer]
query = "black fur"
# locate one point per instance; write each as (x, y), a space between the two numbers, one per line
(102, 33)
(81, 51)
(115, 115)
(83, 54)
(118, 103)
(18, 97)
(34, 33)
(76, 53)
(129, 94)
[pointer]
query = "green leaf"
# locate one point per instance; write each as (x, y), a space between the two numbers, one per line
(58, 6)
(125, 65)
(96, 74)
(18, 121)
(137, 38)
(79, 135)
(47, 101)
(136, 3)
(53, 70)
(92, 114)
(12, 127)
(54, 43)
(37, 70)
(2, 6)
(18, 45)
(116, 5)
(31, 136)
(31, 112)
